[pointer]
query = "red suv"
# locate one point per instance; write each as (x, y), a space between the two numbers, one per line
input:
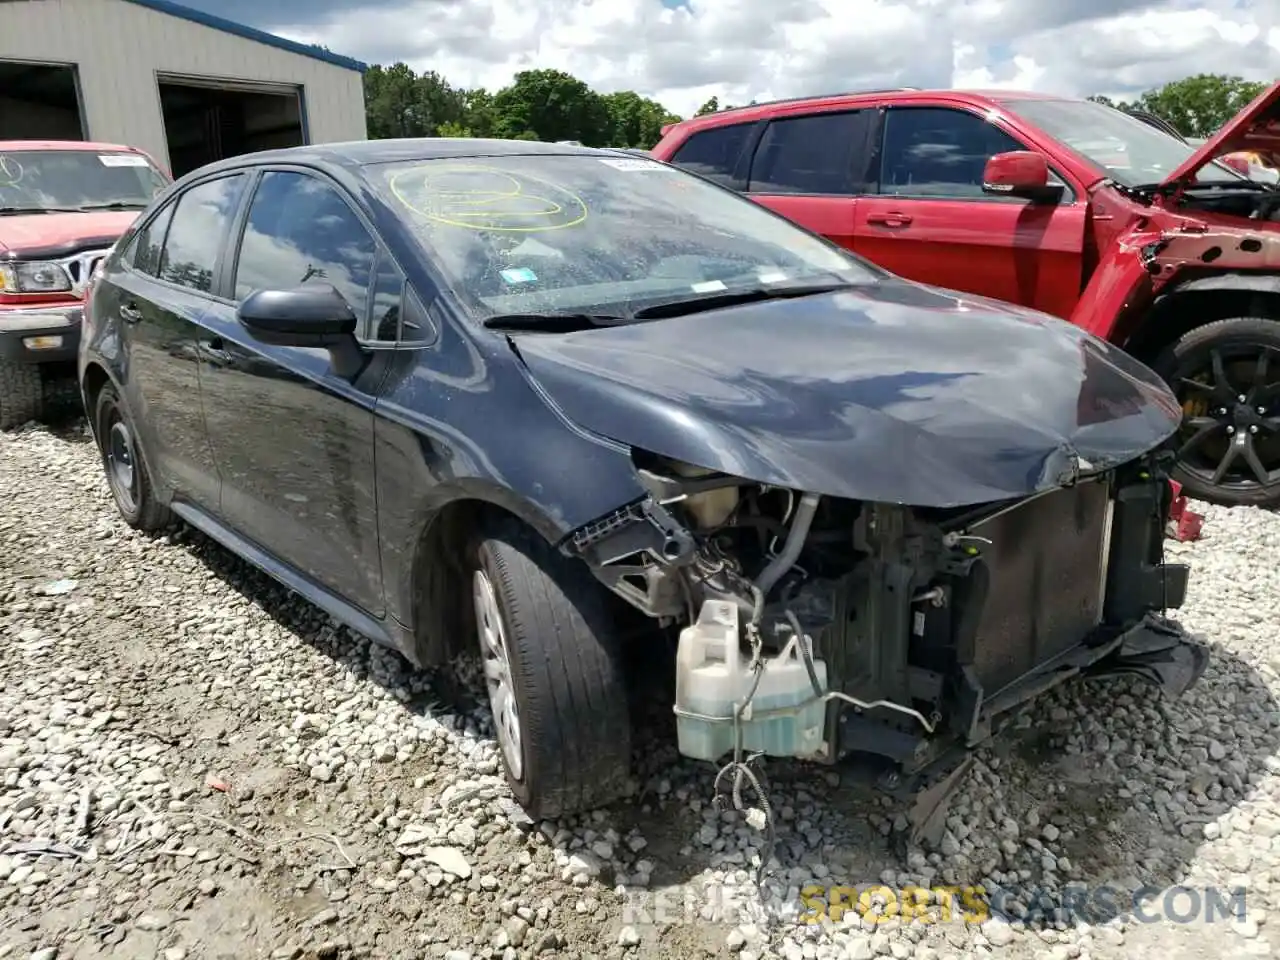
(1065, 205)
(63, 204)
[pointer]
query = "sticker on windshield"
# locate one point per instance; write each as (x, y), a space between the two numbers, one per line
(710, 286)
(121, 160)
(632, 163)
(519, 275)
(772, 277)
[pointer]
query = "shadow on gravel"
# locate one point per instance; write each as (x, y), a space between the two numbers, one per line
(1103, 784)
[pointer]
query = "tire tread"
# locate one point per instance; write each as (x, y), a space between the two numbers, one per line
(21, 393)
(571, 691)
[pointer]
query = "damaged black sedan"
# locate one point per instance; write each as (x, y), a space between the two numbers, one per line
(483, 396)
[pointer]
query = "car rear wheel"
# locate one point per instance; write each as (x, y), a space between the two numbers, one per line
(553, 668)
(1226, 376)
(21, 393)
(126, 469)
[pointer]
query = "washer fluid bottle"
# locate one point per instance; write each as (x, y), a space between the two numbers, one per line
(713, 676)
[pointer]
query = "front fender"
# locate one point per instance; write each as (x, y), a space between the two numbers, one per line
(1121, 289)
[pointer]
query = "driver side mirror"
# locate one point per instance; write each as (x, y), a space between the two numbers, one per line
(315, 315)
(1019, 173)
(308, 316)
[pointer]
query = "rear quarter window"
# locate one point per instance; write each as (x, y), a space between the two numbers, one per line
(714, 153)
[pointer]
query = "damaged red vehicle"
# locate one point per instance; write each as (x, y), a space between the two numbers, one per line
(1065, 205)
(63, 203)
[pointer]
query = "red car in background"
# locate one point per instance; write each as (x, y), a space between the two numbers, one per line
(1065, 205)
(63, 204)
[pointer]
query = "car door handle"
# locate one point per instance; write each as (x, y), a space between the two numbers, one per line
(130, 313)
(889, 219)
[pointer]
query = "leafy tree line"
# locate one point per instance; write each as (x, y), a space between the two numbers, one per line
(538, 105)
(1196, 106)
(553, 105)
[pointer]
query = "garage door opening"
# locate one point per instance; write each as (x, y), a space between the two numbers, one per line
(39, 101)
(204, 122)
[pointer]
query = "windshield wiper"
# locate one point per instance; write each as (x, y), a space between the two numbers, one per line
(15, 211)
(553, 322)
(715, 301)
(113, 205)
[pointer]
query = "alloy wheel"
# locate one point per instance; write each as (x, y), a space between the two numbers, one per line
(496, 658)
(1230, 434)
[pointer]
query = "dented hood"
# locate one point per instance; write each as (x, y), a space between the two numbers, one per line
(894, 392)
(1255, 129)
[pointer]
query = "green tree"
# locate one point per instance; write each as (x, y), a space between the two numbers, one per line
(451, 129)
(400, 103)
(711, 106)
(551, 105)
(478, 111)
(1199, 105)
(636, 121)
(389, 100)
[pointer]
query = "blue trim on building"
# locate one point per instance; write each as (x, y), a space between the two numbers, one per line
(249, 33)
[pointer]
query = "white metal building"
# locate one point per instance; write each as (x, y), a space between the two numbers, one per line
(187, 87)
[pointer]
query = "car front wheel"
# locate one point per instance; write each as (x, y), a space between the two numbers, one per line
(1226, 376)
(552, 666)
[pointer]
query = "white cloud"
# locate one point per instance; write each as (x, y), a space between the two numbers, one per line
(751, 49)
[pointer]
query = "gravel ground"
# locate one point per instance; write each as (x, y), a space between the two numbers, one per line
(194, 763)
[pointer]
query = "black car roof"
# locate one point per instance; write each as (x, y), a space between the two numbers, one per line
(359, 153)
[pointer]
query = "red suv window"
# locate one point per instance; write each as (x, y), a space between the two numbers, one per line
(714, 153)
(820, 153)
(938, 152)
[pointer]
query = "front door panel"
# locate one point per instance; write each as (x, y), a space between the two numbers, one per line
(931, 221)
(294, 444)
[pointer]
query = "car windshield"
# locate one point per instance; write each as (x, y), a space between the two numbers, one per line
(35, 180)
(598, 234)
(1130, 151)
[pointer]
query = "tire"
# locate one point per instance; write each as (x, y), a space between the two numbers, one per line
(127, 474)
(573, 749)
(21, 394)
(1238, 342)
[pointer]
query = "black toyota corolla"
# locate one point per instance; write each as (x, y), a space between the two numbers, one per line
(475, 395)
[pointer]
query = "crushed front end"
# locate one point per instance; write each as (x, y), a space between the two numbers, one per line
(827, 629)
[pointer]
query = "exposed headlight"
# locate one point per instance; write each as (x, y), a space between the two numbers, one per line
(34, 277)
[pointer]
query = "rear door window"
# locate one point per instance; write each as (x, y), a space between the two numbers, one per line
(822, 153)
(714, 153)
(196, 233)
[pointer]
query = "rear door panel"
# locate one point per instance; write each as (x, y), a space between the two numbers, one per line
(812, 167)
